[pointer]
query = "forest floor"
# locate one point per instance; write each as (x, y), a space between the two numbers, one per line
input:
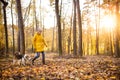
(63, 68)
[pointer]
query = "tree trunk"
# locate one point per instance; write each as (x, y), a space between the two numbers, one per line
(53, 36)
(12, 29)
(88, 41)
(35, 14)
(59, 26)
(2, 46)
(53, 39)
(117, 51)
(111, 42)
(5, 25)
(43, 28)
(0, 13)
(74, 31)
(80, 27)
(40, 23)
(97, 32)
(18, 41)
(69, 38)
(63, 37)
(20, 26)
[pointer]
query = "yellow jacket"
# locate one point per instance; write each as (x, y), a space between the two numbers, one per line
(38, 43)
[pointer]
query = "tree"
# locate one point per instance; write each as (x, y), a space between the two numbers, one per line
(40, 23)
(12, 27)
(117, 50)
(5, 24)
(53, 38)
(74, 30)
(70, 31)
(80, 27)
(97, 32)
(35, 17)
(69, 36)
(59, 26)
(20, 26)
(2, 39)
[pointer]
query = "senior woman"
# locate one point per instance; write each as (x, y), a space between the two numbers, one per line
(39, 44)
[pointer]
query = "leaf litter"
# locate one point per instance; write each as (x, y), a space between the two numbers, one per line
(62, 68)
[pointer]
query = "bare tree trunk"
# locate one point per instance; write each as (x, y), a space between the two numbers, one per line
(97, 32)
(110, 34)
(18, 35)
(35, 14)
(43, 27)
(63, 37)
(33, 32)
(59, 26)
(18, 41)
(5, 25)
(97, 41)
(56, 39)
(2, 46)
(74, 31)
(111, 42)
(117, 51)
(91, 42)
(69, 37)
(1, 20)
(20, 26)
(53, 36)
(80, 27)
(88, 41)
(69, 41)
(40, 23)
(12, 28)
(53, 39)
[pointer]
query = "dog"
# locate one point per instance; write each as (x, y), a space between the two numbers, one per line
(20, 59)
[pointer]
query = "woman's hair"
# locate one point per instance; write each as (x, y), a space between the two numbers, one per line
(39, 29)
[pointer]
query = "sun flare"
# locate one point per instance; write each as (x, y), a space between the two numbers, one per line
(108, 22)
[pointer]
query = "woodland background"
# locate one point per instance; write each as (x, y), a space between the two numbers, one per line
(83, 38)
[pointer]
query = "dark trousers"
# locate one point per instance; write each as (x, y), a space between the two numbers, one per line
(38, 55)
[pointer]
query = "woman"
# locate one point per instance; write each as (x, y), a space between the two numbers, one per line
(39, 44)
